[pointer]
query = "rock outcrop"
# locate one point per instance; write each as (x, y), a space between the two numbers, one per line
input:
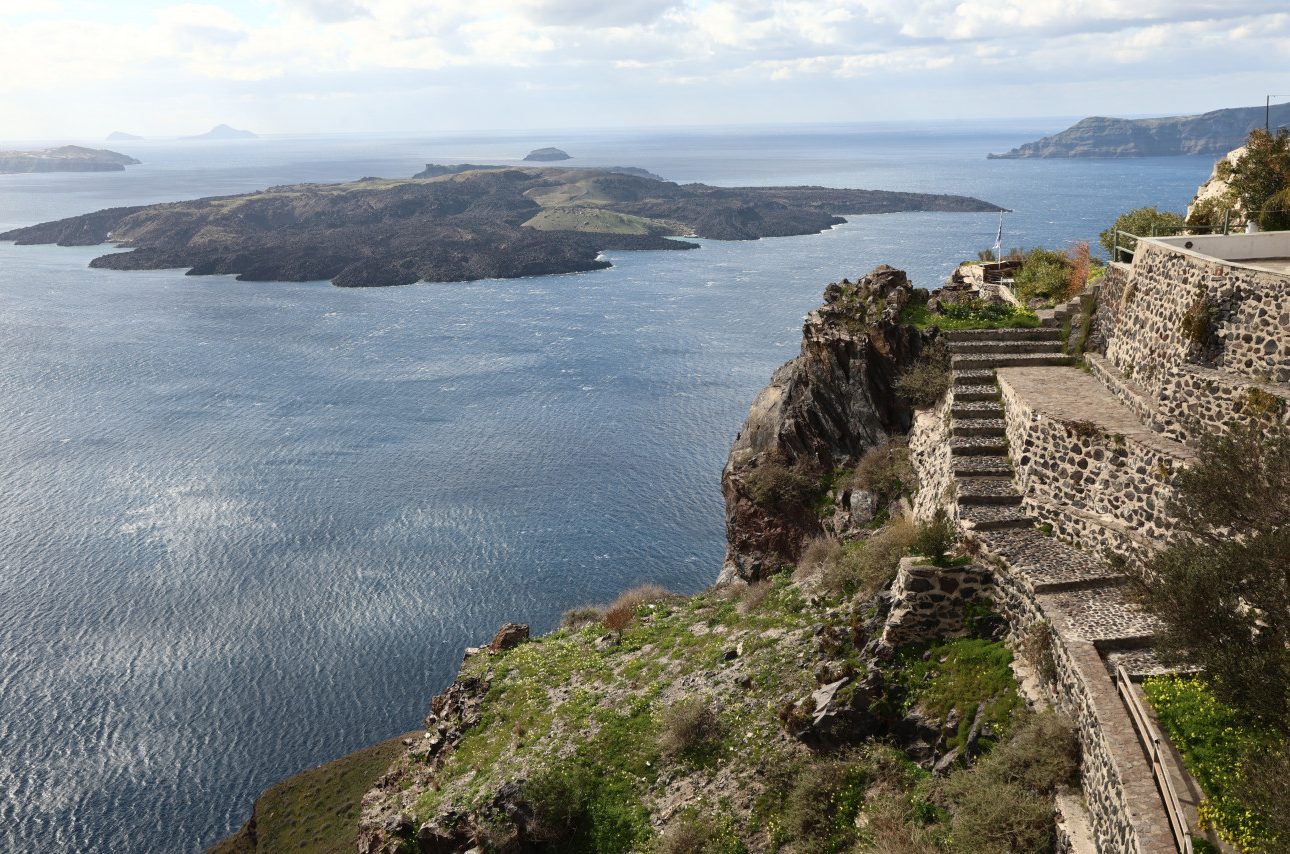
(820, 412)
(1214, 132)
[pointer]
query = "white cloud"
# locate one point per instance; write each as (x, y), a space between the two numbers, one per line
(59, 51)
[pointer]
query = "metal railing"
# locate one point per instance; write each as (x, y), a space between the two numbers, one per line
(1151, 742)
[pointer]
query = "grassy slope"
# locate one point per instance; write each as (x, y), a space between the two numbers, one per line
(316, 811)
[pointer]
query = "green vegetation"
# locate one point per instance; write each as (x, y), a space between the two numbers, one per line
(860, 567)
(1141, 222)
(933, 540)
(777, 486)
(925, 382)
(1222, 592)
(886, 471)
(1261, 179)
(975, 314)
(1216, 742)
(960, 675)
(1044, 275)
(316, 811)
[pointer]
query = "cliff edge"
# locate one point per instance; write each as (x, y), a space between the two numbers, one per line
(821, 411)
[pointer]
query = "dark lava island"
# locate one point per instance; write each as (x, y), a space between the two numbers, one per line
(66, 158)
(548, 155)
(496, 222)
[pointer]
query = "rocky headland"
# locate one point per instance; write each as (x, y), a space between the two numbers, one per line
(223, 132)
(1215, 132)
(482, 223)
(66, 158)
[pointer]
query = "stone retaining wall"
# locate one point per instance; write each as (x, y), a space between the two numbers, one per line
(929, 602)
(1123, 805)
(1101, 490)
(1146, 318)
(929, 450)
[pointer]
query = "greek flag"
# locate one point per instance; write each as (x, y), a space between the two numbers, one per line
(998, 240)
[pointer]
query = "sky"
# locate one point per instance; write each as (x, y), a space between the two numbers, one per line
(80, 69)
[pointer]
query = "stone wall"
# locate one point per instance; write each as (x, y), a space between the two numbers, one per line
(929, 602)
(929, 450)
(1123, 805)
(1147, 318)
(1102, 490)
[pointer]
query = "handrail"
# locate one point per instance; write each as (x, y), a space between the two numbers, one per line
(1151, 741)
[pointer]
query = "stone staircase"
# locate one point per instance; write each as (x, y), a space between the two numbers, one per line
(990, 508)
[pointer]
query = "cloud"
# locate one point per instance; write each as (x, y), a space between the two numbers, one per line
(599, 50)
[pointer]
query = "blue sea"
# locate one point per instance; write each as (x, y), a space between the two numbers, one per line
(246, 528)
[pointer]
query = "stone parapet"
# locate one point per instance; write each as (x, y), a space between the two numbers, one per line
(929, 602)
(929, 450)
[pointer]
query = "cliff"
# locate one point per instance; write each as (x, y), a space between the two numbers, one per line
(821, 411)
(486, 223)
(854, 703)
(67, 158)
(1215, 132)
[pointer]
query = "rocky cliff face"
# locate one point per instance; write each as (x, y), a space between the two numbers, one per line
(820, 412)
(1215, 132)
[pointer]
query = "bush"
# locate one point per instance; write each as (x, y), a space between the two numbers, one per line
(1041, 754)
(620, 613)
(934, 539)
(1045, 275)
(818, 554)
(775, 486)
(885, 470)
(577, 808)
(752, 596)
(695, 832)
(925, 382)
(1220, 586)
(691, 730)
(863, 568)
(1262, 176)
(995, 817)
(820, 810)
(582, 615)
(1140, 222)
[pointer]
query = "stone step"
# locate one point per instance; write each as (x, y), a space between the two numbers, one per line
(977, 446)
(998, 491)
(994, 518)
(981, 465)
(983, 361)
(989, 408)
(977, 427)
(1039, 334)
(1107, 617)
(1048, 564)
(976, 393)
(1143, 663)
(1014, 347)
(973, 377)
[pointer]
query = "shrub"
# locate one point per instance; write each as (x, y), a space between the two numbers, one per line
(934, 539)
(1045, 275)
(577, 808)
(1140, 222)
(995, 817)
(1198, 323)
(695, 832)
(1261, 177)
(925, 382)
(1261, 786)
(1077, 278)
(691, 730)
(1220, 585)
(775, 486)
(820, 810)
(1041, 754)
(620, 613)
(818, 553)
(582, 615)
(618, 617)
(866, 567)
(752, 596)
(1037, 648)
(885, 470)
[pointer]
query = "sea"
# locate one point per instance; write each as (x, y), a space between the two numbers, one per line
(248, 527)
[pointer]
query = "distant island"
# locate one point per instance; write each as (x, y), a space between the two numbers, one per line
(502, 222)
(435, 170)
(547, 155)
(1216, 132)
(122, 136)
(223, 132)
(67, 158)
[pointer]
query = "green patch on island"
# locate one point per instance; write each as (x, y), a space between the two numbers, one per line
(599, 221)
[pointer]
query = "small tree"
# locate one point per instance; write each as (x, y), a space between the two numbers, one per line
(1045, 275)
(1261, 177)
(1222, 584)
(1140, 222)
(934, 539)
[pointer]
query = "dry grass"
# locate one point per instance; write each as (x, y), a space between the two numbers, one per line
(582, 615)
(885, 470)
(865, 568)
(751, 596)
(620, 613)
